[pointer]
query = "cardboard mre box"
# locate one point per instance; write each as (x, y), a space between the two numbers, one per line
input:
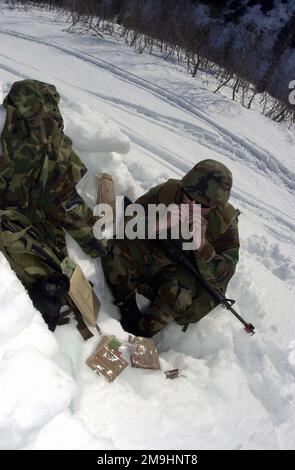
(84, 298)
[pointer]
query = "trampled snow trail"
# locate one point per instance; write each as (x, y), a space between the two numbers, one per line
(240, 389)
(222, 139)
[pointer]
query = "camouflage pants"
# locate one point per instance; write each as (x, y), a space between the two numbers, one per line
(141, 266)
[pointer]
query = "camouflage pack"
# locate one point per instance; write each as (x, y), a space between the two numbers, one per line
(39, 169)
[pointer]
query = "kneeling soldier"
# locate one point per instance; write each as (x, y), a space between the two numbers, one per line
(145, 266)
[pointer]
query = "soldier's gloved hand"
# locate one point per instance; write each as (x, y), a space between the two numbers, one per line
(46, 295)
(54, 285)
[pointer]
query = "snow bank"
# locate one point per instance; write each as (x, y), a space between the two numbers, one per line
(35, 392)
(91, 131)
(29, 378)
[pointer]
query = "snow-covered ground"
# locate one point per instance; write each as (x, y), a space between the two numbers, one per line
(144, 120)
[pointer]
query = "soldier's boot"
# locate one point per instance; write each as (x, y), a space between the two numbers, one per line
(47, 297)
(130, 313)
(143, 324)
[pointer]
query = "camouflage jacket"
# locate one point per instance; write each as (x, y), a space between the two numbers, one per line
(222, 234)
(39, 168)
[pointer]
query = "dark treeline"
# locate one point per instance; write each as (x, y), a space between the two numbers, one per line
(207, 34)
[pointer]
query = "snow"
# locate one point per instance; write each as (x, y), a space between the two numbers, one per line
(145, 120)
(99, 135)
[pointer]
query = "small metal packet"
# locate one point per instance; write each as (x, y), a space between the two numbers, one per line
(172, 374)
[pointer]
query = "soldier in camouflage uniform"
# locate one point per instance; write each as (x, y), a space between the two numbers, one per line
(144, 266)
(38, 173)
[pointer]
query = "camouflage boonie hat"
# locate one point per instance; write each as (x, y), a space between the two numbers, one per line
(209, 183)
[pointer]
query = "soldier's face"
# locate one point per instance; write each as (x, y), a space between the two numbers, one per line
(206, 210)
(191, 202)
